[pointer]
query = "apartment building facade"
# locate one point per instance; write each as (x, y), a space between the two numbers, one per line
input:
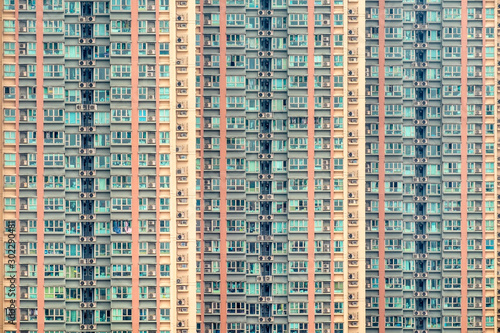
(100, 112)
(283, 174)
(264, 166)
(431, 173)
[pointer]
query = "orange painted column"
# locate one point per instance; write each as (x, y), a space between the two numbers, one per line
(332, 177)
(483, 149)
(223, 173)
(310, 168)
(381, 167)
(157, 171)
(135, 164)
(18, 185)
(39, 168)
(202, 168)
(463, 195)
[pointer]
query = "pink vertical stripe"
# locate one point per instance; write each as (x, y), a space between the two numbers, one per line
(202, 176)
(157, 171)
(310, 168)
(483, 146)
(332, 151)
(18, 229)
(223, 173)
(39, 166)
(381, 136)
(463, 196)
(135, 165)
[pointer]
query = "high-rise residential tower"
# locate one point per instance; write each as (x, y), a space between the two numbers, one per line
(283, 180)
(250, 166)
(431, 165)
(100, 154)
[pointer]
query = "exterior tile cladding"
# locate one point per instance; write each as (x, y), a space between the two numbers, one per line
(260, 166)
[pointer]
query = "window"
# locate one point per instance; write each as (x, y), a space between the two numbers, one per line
(164, 48)
(164, 92)
(10, 203)
(9, 181)
(121, 137)
(121, 314)
(120, 71)
(393, 33)
(121, 204)
(53, 5)
(298, 40)
(9, 137)
(9, 4)
(9, 48)
(54, 314)
(9, 70)
(53, 159)
(298, 226)
(9, 26)
(53, 92)
(121, 93)
(10, 159)
(9, 92)
(297, 20)
(53, 204)
(9, 114)
(121, 115)
(338, 19)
